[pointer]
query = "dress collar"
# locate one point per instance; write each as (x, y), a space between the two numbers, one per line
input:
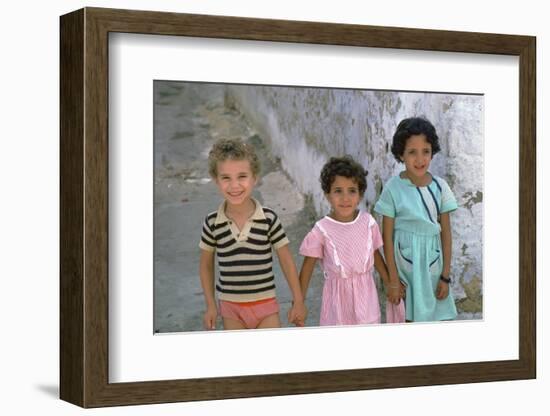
(408, 182)
(359, 214)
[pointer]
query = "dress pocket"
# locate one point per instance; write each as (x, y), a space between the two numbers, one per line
(404, 257)
(435, 261)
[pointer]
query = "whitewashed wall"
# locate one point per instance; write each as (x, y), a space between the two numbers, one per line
(306, 126)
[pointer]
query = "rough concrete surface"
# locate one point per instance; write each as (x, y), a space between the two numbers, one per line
(317, 123)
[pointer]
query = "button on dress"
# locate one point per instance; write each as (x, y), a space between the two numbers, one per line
(346, 252)
(417, 243)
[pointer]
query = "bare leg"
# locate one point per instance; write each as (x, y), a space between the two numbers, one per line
(271, 321)
(232, 324)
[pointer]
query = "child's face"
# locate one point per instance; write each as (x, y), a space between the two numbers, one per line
(417, 155)
(343, 197)
(235, 181)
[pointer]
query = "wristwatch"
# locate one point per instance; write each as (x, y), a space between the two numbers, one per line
(445, 279)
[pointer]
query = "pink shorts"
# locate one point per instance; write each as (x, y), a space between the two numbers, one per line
(250, 314)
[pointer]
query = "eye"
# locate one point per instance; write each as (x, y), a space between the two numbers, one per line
(353, 191)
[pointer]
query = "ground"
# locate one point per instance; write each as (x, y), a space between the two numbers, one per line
(189, 118)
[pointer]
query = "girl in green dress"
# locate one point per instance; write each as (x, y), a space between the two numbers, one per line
(416, 226)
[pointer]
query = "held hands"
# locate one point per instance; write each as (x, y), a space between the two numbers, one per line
(395, 292)
(209, 318)
(298, 313)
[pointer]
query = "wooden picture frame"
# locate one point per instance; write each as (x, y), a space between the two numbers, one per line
(84, 207)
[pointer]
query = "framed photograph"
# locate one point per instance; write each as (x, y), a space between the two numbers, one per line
(143, 97)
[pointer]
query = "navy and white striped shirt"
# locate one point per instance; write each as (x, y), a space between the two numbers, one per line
(244, 256)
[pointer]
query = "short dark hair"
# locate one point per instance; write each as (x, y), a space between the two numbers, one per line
(411, 127)
(343, 166)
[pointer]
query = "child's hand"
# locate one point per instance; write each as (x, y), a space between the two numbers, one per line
(297, 314)
(402, 290)
(209, 318)
(442, 290)
(394, 293)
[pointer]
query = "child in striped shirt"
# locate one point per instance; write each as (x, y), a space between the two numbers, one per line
(242, 234)
(346, 241)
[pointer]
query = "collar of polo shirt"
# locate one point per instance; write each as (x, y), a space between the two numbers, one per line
(257, 215)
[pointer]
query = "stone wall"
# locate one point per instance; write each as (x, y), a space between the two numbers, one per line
(305, 126)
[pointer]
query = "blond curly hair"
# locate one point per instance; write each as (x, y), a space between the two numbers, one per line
(232, 149)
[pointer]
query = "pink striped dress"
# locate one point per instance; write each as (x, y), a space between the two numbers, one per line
(346, 251)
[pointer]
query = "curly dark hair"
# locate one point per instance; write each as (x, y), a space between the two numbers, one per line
(411, 127)
(343, 166)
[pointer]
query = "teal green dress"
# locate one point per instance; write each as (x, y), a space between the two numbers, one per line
(417, 243)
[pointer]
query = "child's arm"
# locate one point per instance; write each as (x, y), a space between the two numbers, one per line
(381, 268)
(297, 314)
(305, 273)
(447, 244)
(393, 288)
(206, 272)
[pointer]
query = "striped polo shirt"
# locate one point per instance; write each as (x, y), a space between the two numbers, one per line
(245, 261)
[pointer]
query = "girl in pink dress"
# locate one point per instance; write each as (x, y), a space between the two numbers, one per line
(346, 241)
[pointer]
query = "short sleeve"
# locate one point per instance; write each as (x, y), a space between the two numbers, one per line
(276, 234)
(448, 200)
(385, 204)
(377, 241)
(208, 242)
(312, 246)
